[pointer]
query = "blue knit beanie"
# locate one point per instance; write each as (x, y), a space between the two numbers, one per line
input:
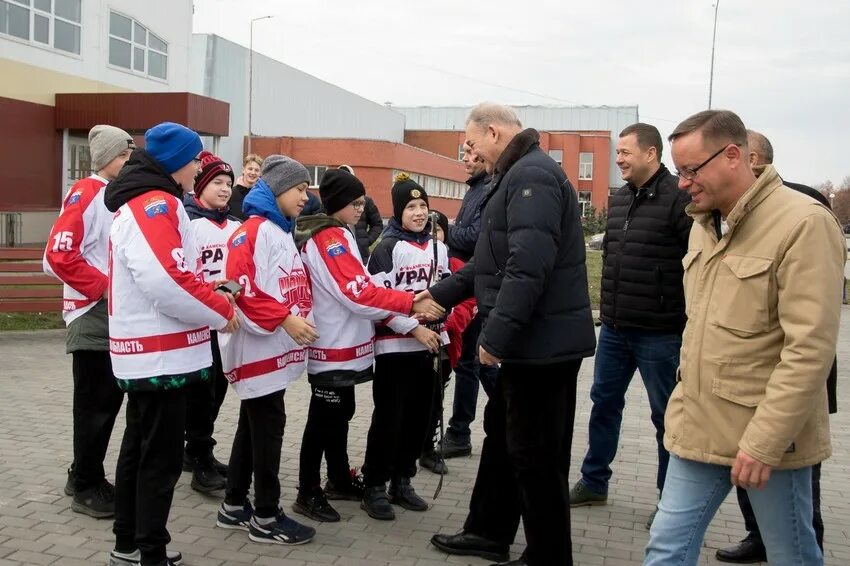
(172, 145)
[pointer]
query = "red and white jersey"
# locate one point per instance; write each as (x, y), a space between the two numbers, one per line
(160, 312)
(345, 302)
(260, 358)
(78, 246)
(407, 267)
(211, 245)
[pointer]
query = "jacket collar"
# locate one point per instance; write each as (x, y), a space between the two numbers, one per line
(522, 143)
(767, 182)
(482, 176)
(651, 184)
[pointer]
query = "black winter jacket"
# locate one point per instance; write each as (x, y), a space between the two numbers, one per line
(368, 229)
(463, 234)
(645, 241)
(235, 203)
(528, 271)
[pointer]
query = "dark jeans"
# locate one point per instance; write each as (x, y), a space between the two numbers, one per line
(203, 402)
(97, 401)
(149, 465)
(618, 355)
(402, 391)
(817, 519)
(326, 432)
(468, 372)
(256, 451)
(525, 461)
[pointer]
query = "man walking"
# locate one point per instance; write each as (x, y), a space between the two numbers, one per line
(763, 278)
(530, 282)
(642, 306)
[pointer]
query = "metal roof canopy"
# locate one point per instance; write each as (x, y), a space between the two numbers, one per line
(137, 111)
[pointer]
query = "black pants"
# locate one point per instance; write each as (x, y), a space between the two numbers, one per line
(149, 465)
(97, 401)
(525, 461)
(326, 432)
(256, 451)
(203, 402)
(402, 391)
(468, 373)
(817, 520)
(432, 437)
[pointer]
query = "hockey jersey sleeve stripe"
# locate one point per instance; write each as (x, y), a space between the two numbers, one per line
(266, 366)
(161, 343)
(342, 354)
(63, 255)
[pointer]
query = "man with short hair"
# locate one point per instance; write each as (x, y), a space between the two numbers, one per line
(642, 307)
(751, 548)
(763, 278)
(529, 279)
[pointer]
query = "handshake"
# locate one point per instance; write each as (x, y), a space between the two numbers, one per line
(425, 308)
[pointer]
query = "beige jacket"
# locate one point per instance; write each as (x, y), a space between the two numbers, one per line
(763, 308)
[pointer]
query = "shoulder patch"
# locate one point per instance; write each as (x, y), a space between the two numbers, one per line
(335, 248)
(238, 239)
(526, 192)
(74, 198)
(155, 206)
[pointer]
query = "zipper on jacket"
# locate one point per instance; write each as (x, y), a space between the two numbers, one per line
(632, 206)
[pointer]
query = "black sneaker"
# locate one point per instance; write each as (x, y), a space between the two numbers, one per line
(220, 467)
(350, 491)
(282, 530)
(431, 461)
(135, 558)
(315, 505)
(205, 478)
(97, 502)
(239, 519)
(376, 503)
(402, 493)
(69, 483)
(453, 448)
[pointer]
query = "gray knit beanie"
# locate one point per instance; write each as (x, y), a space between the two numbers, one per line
(105, 143)
(282, 173)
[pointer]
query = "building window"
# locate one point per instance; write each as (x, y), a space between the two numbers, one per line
(557, 155)
(460, 152)
(585, 166)
(133, 47)
(53, 23)
(584, 198)
(316, 173)
(435, 186)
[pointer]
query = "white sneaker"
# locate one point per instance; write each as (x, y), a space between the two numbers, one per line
(135, 558)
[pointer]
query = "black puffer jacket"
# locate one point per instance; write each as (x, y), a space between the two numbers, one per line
(646, 238)
(528, 271)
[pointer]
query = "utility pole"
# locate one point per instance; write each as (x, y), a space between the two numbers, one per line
(713, 40)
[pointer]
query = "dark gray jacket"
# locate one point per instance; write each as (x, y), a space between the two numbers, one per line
(463, 234)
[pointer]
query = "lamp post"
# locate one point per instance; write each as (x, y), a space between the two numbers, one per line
(251, 78)
(713, 39)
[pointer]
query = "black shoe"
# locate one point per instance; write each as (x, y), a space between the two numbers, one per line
(220, 467)
(402, 493)
(349, 491)
(517, 562)
(69, 483)
(430, 461)
(315, 505)
(468, 544)
(748, 551)
(376, 503)
(205, 478)
(453, 448)
(97, 502)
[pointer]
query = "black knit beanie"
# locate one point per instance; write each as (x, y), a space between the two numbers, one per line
(442, 222)
(338, 189)
(405, 190)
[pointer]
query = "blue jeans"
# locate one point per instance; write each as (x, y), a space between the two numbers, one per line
(694, 492)
(618, 354)
(468, 372)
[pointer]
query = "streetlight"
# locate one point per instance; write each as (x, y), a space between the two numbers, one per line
(713, 38)
(251, 78)
(831, 200)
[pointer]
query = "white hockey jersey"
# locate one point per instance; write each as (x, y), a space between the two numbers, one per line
(160, 312)
(211, 244)
(78, 246)
(406, 266)
(345, 302)
(260, 358)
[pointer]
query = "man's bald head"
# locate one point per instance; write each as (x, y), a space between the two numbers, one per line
(761, 150)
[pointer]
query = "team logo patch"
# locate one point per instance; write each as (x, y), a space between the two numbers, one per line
(74, 198)
(155, 206)
(238, 239)
(415, 193)
(335, 249)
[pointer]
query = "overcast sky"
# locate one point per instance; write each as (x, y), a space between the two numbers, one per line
(783, 66)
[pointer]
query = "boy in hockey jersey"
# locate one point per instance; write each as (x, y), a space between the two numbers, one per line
(404, 357)
(160, 315)
(211, 227)
(345, 302)
(76, 253)
(269, 351)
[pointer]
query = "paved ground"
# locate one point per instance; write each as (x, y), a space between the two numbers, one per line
(38, 527)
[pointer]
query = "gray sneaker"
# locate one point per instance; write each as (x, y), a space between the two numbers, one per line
(583, 496)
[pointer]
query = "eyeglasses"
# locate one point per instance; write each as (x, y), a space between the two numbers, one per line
(359, 205)
(689, 174)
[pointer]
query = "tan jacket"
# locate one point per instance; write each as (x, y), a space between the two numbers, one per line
(763, 308)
